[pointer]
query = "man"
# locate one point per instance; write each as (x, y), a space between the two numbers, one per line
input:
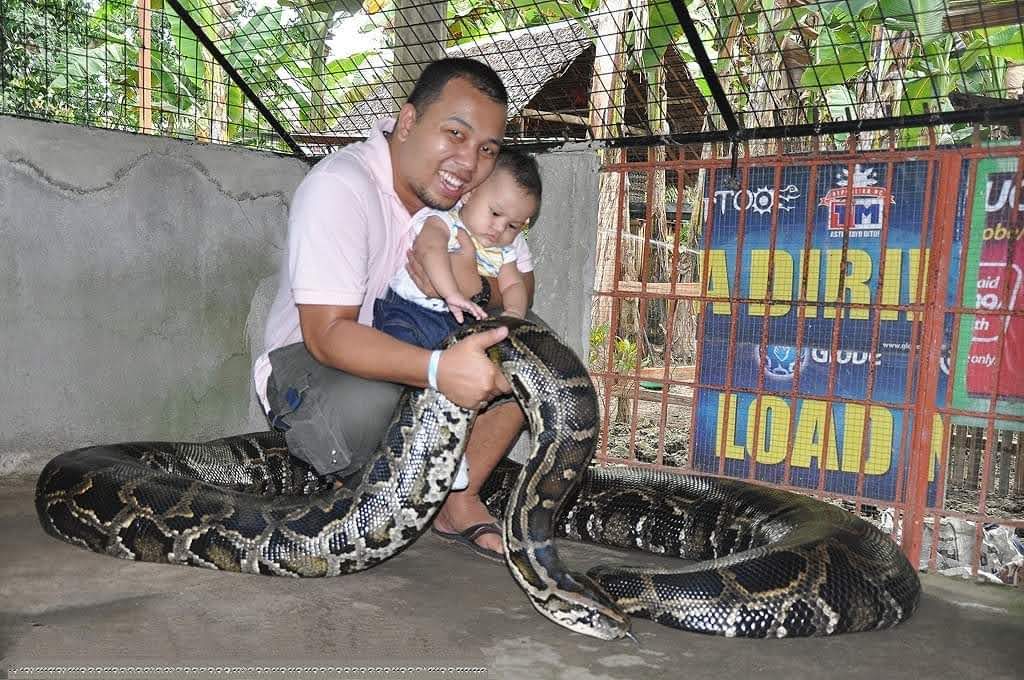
(329, 379)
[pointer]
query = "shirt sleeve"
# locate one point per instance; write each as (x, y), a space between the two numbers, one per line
(421, 217)
(523, 257)
(327, 240)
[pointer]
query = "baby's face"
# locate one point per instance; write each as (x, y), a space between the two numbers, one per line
(498, 210)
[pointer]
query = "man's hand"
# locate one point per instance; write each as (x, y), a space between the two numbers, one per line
(466, 376)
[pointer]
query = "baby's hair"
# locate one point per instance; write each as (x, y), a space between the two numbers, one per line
(523, 169)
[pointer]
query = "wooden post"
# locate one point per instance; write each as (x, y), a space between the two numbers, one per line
(145, 84)
(955, 476)
(1004, 447)
(1019, 449)
(419, 37)
(977, 450)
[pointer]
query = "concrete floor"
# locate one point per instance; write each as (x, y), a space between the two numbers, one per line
(434, 605)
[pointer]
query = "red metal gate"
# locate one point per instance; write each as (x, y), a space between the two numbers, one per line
(950, 443)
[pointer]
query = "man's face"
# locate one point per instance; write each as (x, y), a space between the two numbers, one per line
(448, 148)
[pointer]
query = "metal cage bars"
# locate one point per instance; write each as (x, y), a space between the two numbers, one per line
(915, 456)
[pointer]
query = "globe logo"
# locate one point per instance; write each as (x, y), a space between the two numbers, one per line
(780, 360)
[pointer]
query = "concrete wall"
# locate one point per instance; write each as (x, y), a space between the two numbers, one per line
(563, 244)
(127, 268)
(135, 270)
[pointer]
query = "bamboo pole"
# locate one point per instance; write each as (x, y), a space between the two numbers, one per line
(145, 83)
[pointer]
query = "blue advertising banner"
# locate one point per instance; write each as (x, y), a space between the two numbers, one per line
(823, 433)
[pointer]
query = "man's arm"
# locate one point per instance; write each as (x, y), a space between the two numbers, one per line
(465, 375)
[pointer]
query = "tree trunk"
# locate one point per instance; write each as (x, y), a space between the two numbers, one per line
(418, 39)
(318, 63)
(657, 261)
(606, 100)
(225, 12)
(606, 96)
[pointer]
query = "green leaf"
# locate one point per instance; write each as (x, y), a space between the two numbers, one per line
(663, 29)
(841, 103)
(193, 65)
(922, 17)
(199, 10)
(1007, 43)
(844, 9)
(927, 93)
(262, 32)
(236, 106)
(823, 77)
(168, 91)
(327, 7)
(838, 56)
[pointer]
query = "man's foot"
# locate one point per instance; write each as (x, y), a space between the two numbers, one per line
(469, 537)
(463, 515)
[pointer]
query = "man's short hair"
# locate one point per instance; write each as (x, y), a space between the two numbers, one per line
(523, 168)
(437, 74)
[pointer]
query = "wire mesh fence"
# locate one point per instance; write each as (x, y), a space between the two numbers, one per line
(304, 76)
(667, 80)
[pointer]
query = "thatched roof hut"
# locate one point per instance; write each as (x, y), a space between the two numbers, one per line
(547, 71)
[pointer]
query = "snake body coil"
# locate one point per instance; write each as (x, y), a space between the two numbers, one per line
(779, 564)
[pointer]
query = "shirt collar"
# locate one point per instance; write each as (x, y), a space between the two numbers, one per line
(378, 156)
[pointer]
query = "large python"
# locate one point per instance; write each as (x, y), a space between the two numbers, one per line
(779, 564)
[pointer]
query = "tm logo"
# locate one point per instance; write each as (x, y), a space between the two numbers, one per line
(856, 207)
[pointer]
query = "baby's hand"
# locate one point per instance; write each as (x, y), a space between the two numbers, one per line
(457, 304)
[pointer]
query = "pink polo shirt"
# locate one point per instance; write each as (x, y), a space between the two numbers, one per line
(348, 234)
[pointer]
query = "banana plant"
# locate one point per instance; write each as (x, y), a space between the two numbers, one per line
(316, 17)
(473, 19)
(877, 58)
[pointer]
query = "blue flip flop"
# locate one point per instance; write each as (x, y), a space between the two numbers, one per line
(467, 537)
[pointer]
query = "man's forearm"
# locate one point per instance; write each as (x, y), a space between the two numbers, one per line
(368, 353)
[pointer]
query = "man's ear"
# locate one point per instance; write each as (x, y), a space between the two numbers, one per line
(406, 121)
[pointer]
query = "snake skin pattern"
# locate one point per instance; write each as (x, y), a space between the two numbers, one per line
(774, 563)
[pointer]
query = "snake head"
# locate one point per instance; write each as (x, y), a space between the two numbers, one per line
(583, 606)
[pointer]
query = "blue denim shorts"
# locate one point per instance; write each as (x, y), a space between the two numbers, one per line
(410, 323)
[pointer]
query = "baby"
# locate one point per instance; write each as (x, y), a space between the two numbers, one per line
(471, 240)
